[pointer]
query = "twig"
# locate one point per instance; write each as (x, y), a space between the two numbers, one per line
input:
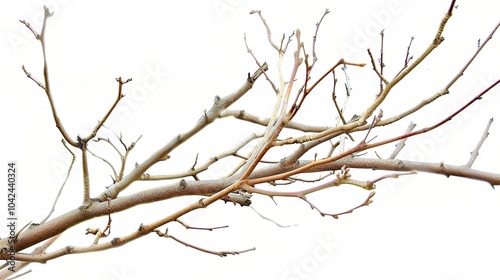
(246, 116)
(107, 162)
(207, 164)
(73, 158)
(407, 58)
(475, 152)
(268, 30)
(401, 143)
(367, 202)
(381, 61)
(199, 228)
(379, 73)
(97, 232)
(315, 37)
(120, 95)
(461, 72)
(262, 67)
(217, 253)
(271, 220)
(28, 74)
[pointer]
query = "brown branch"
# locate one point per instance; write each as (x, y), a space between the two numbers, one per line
(217, 253)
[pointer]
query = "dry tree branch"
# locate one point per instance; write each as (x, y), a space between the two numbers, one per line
(246, 176)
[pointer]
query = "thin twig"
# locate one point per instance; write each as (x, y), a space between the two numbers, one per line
(73, 158)
(381, 61)
(217, 253)
(315, 37)
(268, 30)
(401, 143)
(475, 152)
(379, 73)
(407, 58)
(271, 220)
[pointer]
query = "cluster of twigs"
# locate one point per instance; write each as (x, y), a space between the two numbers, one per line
(247, 178)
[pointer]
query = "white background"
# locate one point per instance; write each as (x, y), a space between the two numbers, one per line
(180, 55)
